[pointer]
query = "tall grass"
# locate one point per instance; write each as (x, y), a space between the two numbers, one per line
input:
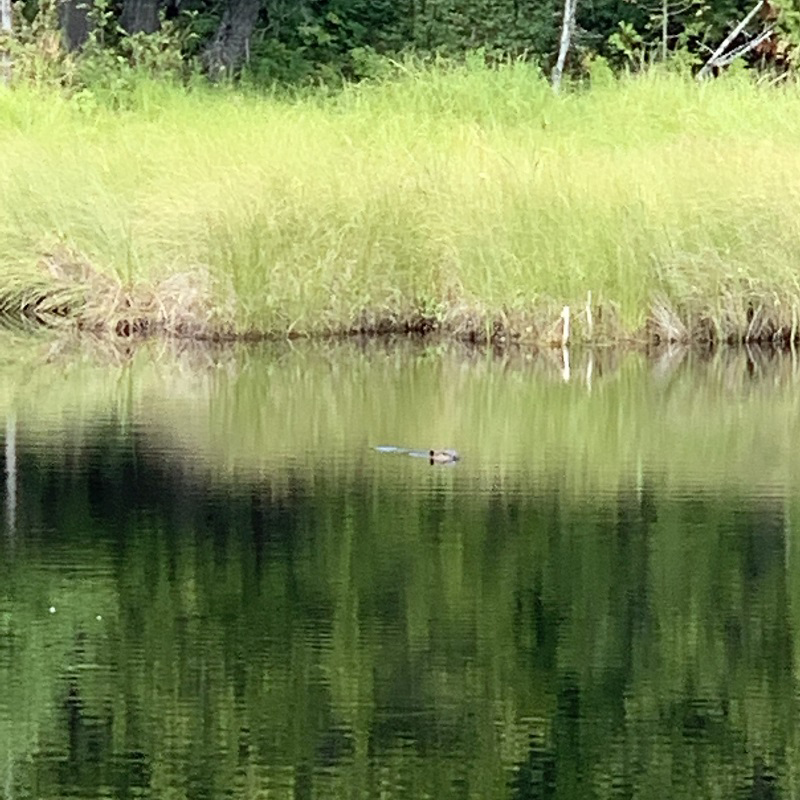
(451, 197)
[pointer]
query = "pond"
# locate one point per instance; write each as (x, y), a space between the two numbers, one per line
(212, 584)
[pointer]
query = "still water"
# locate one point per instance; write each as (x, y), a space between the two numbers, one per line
(213, 585)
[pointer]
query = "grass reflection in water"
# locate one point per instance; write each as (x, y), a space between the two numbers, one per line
(249, 600)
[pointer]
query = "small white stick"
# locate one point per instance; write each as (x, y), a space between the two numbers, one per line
(589, 372)
(565, 328)
(589, 320)
(566, 374)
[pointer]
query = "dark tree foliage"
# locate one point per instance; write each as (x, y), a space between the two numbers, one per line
(291, 41)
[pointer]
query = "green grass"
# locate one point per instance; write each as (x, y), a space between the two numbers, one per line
(460, 197)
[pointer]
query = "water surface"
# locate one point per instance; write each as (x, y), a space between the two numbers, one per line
(212, 584)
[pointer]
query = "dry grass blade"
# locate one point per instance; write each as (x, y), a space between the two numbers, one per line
(180, 305)
(665, 326)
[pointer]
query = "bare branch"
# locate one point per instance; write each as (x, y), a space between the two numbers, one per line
(745, 48)
(712, 62)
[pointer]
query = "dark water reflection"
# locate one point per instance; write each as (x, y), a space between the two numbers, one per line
(279, 611)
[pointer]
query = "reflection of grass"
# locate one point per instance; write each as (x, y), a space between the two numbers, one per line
(618, 420)
(458, 197)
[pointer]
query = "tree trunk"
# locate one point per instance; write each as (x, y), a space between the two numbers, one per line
(231, 43)
(75, 23)
(5, 29)
(140, 16)
(567, 26)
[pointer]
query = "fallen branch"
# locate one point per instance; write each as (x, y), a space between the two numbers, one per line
(715, 56)
(745, 48)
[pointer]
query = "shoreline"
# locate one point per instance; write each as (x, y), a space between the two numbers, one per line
(138, 313)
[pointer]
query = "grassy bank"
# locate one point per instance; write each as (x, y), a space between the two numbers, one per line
(471, 200)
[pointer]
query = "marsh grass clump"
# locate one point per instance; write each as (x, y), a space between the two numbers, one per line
(178, 305)
(31, 298)
(469, 201)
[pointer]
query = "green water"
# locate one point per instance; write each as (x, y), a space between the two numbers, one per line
(212, 585)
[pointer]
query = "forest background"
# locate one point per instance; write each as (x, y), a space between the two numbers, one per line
(269, 42)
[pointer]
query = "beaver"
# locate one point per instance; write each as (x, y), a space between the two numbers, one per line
(433, 456)
(442, 456)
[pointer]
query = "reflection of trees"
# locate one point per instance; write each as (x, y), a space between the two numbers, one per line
(346, 638)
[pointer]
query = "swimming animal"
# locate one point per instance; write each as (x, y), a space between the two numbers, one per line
(442, 456)
(433, 456)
